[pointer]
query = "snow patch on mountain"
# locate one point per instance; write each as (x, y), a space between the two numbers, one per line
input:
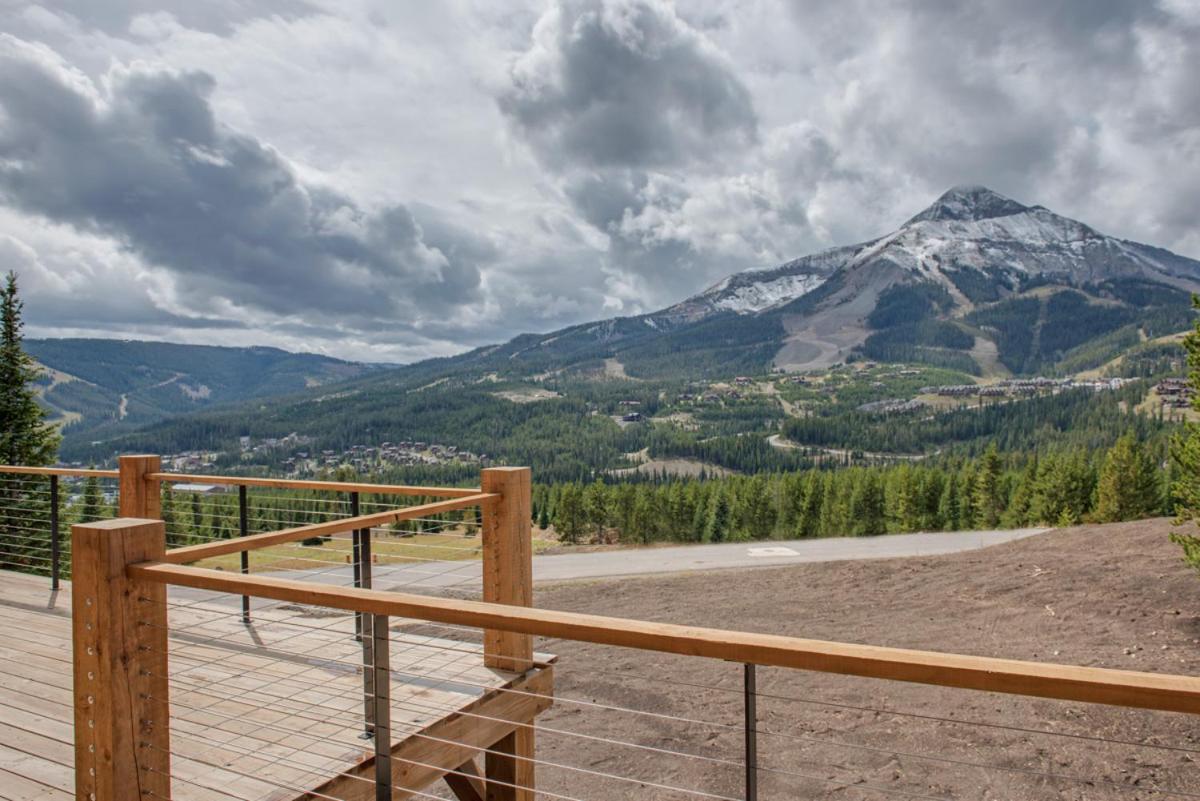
(763, 295)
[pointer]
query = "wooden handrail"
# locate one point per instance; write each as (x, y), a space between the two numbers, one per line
(1063, 682)
(59, 471)
(323, 486)
(194, 553)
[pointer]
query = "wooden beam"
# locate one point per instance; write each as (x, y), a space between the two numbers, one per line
(119, 632)
(507, 562)
(508, 579)
(465, 782)
(321, 486)
(194, 553)
(509, 766)
(424, 757)
(140, 496)
(1127, 688)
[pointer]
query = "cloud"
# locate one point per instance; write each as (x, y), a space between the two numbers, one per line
(142, 159)
(439, 176)
(625, 83)
(616, 97)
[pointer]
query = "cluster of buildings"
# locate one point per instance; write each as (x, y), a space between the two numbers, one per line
(292, 454)
(893, 406)
(273, 444)
(1175, 393)
(190, 461)
(367, 458)
(1023, 387)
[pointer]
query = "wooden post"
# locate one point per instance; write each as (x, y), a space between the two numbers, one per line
(508, 579)
(140, 497)
(119, 635)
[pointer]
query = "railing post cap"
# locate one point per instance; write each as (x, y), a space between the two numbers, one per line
(118, 523)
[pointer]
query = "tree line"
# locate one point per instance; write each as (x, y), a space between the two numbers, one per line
(990, 491)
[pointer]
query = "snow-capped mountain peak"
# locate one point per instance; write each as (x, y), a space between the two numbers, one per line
(969, 202)
(967, 228)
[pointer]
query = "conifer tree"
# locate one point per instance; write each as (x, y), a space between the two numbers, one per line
(570, 517)
(1128, 488)
(809, 524)
(867, 506)
(948, 504)
(988, 501)
(717, 527)
(197, 516)
(758, 515)
(26, 438)
(176, 536)
(92, 507)
(1020, 504)
(1185, 458)
(595, 506)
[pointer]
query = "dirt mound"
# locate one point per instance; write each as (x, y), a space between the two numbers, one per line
(1113, 596)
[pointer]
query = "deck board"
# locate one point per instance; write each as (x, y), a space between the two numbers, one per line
(266, 711)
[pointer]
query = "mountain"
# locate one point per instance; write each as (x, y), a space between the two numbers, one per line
(976, 281)
(973, 255)
(103, 387)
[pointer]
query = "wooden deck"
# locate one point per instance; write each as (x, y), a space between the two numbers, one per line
(270, 710)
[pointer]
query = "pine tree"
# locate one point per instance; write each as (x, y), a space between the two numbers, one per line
(867, 506)
(1128, 488)
(908, 499)
(176, 536)
(719, 515)
(988, 500)
(570, 517)
(595, 505)
(1185, 457)
(26, 438)
(1020, 505)
(809, 524)
(93, 502)
(758, 515)
(197, 516)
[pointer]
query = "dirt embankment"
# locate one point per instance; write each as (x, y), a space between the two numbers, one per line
(1112, 596)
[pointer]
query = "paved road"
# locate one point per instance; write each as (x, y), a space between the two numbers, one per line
(445, 576)
(684, 558)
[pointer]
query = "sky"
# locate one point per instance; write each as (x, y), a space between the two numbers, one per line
(389, 181)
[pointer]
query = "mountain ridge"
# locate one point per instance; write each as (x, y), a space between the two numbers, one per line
(977, 245)
(102, 387)
(976, 283)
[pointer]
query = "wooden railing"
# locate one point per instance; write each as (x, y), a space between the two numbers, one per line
(122, 569)
(120, 637)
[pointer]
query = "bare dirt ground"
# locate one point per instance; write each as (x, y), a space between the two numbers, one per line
(1113, 596)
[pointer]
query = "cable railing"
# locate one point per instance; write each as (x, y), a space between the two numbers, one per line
(314, 677)
(36, 506)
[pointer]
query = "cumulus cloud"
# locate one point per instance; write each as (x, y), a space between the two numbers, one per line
(143, 160)
(614, 96)
(626, 83)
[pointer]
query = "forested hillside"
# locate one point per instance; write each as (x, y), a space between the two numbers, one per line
(101, 387)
